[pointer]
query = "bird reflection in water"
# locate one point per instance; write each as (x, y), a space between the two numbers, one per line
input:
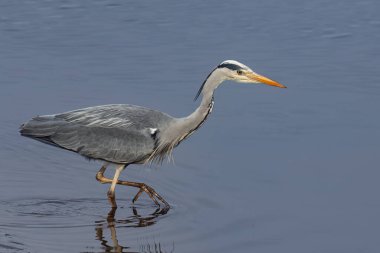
(133, 221)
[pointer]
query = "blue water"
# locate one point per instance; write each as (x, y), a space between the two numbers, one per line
(272, 170)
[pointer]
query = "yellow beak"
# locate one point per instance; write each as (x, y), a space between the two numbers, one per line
(263, 79)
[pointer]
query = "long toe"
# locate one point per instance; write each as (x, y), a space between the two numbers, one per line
(137, 195)
(153, 195)
(147, 189)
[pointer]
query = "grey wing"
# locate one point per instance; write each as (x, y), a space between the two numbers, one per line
(110, 144)
(115, 133)
(117, 116)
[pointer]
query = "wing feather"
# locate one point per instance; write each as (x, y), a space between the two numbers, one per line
(110, 144)
(115, 133)
(117, 115)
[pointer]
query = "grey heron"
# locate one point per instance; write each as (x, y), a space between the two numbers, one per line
(125, 134)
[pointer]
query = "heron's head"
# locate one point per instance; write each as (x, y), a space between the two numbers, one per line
(236, 71)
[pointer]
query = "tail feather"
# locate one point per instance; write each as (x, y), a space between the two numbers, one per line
(41, 127)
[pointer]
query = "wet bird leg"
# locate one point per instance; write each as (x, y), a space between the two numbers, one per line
(143, 187)
(111, 191)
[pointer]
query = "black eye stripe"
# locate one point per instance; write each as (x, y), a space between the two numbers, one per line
(230, 66)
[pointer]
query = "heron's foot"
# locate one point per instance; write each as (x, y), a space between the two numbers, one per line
(143, 188)
(151, 193)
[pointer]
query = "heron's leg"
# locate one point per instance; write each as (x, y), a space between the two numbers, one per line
(100, 175)
(143, 187)
(111, 191)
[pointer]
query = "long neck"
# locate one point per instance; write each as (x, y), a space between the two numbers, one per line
(205, 107)
(183, 127)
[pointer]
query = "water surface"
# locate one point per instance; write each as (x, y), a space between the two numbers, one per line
(272, 170)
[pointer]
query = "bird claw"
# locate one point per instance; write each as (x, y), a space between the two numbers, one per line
(151, 193)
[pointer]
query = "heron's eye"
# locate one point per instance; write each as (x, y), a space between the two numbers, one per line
(239, 72)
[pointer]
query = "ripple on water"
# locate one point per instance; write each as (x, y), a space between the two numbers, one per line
(70, 213)
(9, 244)
(20, 219)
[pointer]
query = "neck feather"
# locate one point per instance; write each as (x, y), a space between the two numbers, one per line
(183, 127)
(194, 120)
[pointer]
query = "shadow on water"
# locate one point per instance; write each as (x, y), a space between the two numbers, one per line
(135, 220)
(51, 215)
